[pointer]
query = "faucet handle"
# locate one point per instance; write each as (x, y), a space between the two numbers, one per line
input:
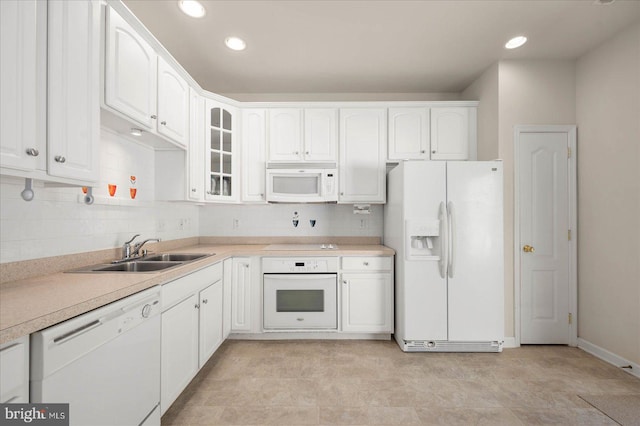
(131, 240)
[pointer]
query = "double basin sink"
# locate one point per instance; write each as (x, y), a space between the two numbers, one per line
(150, 263)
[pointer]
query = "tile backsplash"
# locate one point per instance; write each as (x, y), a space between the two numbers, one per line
(57, 222)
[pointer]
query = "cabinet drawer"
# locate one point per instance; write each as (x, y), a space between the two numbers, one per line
(366, 263)
(177, 290)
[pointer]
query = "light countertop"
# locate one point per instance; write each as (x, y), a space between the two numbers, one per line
(31, 304)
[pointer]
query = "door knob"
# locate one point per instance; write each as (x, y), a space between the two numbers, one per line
(528, 249)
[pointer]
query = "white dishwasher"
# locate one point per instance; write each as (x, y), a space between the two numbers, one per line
(105, 364)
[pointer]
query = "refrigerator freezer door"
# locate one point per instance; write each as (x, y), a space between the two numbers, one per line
(476, 279)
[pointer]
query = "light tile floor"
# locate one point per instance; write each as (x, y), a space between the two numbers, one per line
(374, 383)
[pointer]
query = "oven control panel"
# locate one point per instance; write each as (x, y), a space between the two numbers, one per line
(306, 265)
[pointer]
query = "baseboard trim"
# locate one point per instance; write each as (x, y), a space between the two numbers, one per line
(510, 343)
(609, 357)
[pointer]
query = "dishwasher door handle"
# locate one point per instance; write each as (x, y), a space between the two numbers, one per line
(76, 332)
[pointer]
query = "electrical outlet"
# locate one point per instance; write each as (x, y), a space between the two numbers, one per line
(181, 224)
(236, 223)
(364, 223)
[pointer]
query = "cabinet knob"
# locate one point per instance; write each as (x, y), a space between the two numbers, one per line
(196, 306)
(433, 152)
(59, 159)
(205, 301)
(164, 123)
(193, 190)
(365, 263)
(153, 117)
(209, 192)
(342, 193)
(33, 152)
(306, 153)
(423, 151)
(297, 152)
(344, 282)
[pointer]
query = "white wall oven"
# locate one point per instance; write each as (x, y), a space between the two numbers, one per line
(300, 293)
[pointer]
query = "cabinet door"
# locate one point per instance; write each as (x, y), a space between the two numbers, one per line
(226, 306)
(320, 134)
(211, 333)
(173, 104)
(285, 134)
(22, 84)
(254, 144)
(195, 187)
(363, 150)
(179, 356)
(130, 72)
(220, 142)
(367, 303)
(73, 113)
(14, 371)
(450, 133)
(409, 133)
(241, 295)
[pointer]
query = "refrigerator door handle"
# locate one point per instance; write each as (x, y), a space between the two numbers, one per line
(451, 211)
(444, 240)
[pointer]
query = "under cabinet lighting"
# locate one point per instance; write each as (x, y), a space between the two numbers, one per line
(235, 43)
(192, 8)
(135, 132)
(516, 42)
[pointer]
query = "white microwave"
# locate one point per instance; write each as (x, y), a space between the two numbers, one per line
(297, 185)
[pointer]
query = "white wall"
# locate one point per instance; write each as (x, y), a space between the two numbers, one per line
(56, 223)
(530, 92)
(485, 90)
(608, 114)
(276, 220)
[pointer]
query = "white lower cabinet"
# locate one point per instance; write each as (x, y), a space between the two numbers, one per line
(245, 306)
(367, 294)
(14, 371)
(192, 328)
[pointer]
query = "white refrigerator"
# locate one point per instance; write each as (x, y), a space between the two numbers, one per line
(445, 222)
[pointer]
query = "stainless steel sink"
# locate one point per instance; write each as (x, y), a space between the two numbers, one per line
(137, 267)
(174, 257)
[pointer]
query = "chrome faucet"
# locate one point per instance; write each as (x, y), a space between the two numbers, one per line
(138, 246)
(126, 248)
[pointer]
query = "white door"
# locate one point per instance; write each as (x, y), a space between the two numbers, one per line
(130, 72)
(544, 217)
(365, 303)
(450, 133)
(254, 140)
(476, 260)
(241, 295)
(285, 134)
(211, 317)
(173, 104)
(321, 134)
(363, 152)
(409, 133)
(73, 115)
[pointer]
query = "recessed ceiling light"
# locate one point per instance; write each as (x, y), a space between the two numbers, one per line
(192, 8)
(515, 42)
(603, 2)
(235, 43)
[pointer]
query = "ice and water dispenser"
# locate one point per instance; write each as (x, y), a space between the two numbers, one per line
(423, 240)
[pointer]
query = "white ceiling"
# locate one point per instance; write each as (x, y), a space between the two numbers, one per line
(361, 46)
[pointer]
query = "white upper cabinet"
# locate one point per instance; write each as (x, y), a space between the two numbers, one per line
(50, 90)
(73, 113)
(302, 135)
(130, 72)
(453, 130)
(143, 87)
(409, 133)
(195, 186)
(320, 134)
(22, 123)
(285, 135)
(173, 104)
(254, 142)
(220, 147)
(363, 151)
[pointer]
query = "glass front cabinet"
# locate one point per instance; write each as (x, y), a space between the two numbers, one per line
(221, 182)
